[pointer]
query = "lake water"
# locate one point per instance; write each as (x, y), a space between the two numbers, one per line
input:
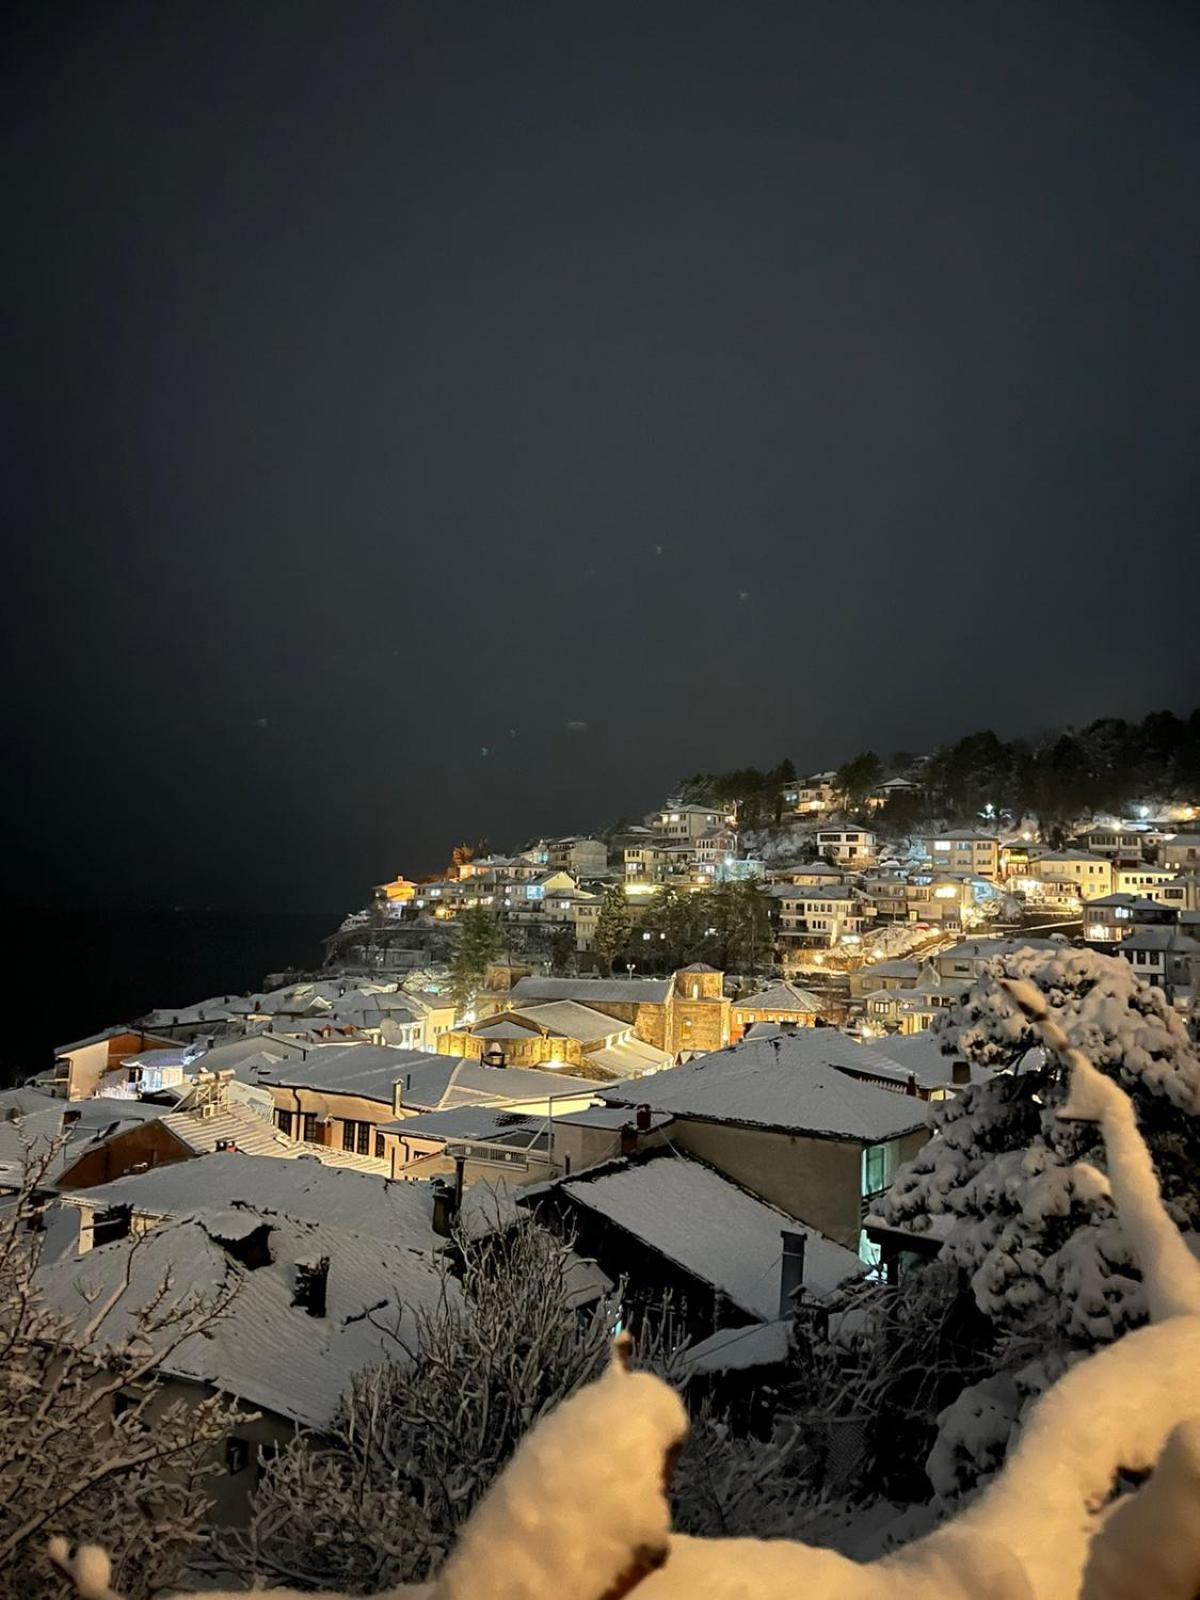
(76, 972)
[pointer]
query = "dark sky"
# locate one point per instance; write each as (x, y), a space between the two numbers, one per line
(432, 421)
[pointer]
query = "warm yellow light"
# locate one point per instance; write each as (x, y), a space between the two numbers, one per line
(947, 893)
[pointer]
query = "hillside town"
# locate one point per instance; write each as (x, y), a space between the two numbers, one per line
(704, 1055)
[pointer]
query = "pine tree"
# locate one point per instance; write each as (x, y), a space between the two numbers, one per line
(478, 942)
(612, 925)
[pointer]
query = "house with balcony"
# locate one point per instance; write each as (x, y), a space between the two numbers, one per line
(1073, 874)
(817, 919)
(1113, 841)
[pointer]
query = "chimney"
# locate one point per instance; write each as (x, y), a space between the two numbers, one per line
(443, 1208)
(791, 1276)
(397, 1099)
(911, 1086)
(312, 1286)
(629, 1139)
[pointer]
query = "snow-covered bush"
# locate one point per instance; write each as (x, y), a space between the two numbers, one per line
(88, 1449)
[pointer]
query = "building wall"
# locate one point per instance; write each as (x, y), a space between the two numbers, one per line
(145, 1145)
(818, 1181)
(338, 1108)
(815, 1180)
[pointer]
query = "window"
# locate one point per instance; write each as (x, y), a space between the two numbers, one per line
(310, 1126)
(283, 1121)
(379, 1147)
(356, 1136)
(237, 1455)
(876, 1168)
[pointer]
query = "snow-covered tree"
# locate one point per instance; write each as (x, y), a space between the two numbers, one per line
(1031, 1220)
(88, 1449)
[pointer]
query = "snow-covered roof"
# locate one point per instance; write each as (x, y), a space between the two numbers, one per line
(629, 1058)
(1172, 939)
(780, 997)
(571, 1020)
(305, 1190)
(504, 1027)
(710, 1227)
(1131, 902)
(266, 1350)
(791, 1083)
(467, 1122)
(921, 1055)
(643, 991)
(892, 969)
(762, 1344)
(609, 1118)
(811, 891)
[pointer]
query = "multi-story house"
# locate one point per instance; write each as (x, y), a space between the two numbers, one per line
(889, 895)
(1078, 872)
(644, 862)
(1181, 853)
(963, 850)
(1182, 893)
(811, 796)
(1112, 841)
(683, 824)
(713, 850)
(583, 858)
(1115, 917)
(848, 845)
(818, 918)
(1141, 878)
(1168, 958)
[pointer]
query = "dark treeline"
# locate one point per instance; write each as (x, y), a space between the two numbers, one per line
(1108, 765)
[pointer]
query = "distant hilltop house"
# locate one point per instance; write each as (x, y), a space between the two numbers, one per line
(812, 795)
(683, 1014)
(680, 823)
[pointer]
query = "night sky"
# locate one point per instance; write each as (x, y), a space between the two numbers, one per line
(425, 422)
